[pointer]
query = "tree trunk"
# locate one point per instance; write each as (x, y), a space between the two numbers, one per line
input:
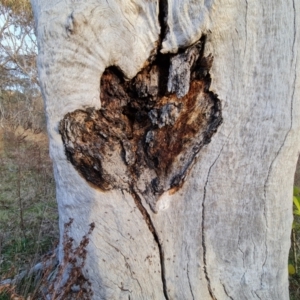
(173, 128)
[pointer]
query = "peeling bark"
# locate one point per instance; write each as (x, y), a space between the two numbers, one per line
(149, 129)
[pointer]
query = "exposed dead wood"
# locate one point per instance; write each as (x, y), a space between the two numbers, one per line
(149, 129)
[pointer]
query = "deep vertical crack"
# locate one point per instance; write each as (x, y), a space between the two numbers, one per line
(162, 19)
(147, 218)
(203, 233)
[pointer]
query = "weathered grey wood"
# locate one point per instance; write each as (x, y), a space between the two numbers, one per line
(224, 233)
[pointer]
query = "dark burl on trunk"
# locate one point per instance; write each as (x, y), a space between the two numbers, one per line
(149, 129)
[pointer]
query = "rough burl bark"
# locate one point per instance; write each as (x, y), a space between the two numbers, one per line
(149, 129)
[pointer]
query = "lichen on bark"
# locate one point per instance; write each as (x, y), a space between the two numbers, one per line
(149, 129)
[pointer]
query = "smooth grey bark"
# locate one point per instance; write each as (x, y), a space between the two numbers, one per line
(224, 231)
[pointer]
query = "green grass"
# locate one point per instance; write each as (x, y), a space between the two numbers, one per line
(294, 256)
(4, 296)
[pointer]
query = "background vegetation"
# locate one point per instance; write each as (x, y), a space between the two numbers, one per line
(28, 210)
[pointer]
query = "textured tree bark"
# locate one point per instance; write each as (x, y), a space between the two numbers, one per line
(173, 128)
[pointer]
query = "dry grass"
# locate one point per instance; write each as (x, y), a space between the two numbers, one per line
(52, 281)
(28, 210)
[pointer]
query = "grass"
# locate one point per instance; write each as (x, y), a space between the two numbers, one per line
(28, 210)
(294, 256)
(4, 296)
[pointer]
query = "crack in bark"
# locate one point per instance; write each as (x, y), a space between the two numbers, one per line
(162, 19)
(294, 59)
(188, 276)
(152, 229)
(257, 295)
(239, 248)
(243, 278)
(291, 111)
(246, 26)
(239, 240)
(224, 288)
(295, 29)
(203, 233)
(127, 265)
